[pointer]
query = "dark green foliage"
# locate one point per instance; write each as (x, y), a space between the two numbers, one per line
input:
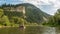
(11, 14)
(54, 20)
(57, 17)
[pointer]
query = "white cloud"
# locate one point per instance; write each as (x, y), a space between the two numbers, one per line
(55, 4)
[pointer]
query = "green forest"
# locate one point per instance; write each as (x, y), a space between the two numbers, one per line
(54, 20)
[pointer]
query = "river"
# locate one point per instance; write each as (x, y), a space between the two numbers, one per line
(31, 30)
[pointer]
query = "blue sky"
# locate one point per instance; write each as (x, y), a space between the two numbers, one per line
(48, 6)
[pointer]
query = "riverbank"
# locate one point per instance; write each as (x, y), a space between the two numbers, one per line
(24, 25)
(7, 26)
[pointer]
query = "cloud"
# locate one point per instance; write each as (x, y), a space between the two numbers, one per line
(50, 5)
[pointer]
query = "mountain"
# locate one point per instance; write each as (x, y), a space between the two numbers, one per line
(32, 13)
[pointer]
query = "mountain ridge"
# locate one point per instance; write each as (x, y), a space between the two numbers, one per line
(33, 14)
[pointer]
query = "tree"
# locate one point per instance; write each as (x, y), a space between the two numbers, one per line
(6, 21)
(3, 19)
(1, 13)
(55, 20)
(57, 16)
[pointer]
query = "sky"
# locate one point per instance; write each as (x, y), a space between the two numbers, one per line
(48, 6)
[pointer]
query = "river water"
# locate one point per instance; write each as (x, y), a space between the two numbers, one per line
(41, 30)
(31, 30)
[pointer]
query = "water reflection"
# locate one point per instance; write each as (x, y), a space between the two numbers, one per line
(40, 30)
(31, 30)
(58, 30)
(49, 30)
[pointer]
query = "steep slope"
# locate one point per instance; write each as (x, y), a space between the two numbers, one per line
(33, 13)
